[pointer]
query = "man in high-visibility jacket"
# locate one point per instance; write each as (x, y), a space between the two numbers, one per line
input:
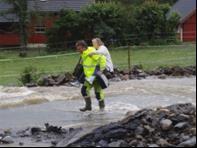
(90, 65)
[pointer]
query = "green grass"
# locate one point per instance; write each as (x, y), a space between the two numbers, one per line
(149, 57)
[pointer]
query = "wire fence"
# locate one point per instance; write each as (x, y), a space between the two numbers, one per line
(124, 57)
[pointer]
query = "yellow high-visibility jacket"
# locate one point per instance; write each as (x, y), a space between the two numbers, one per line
(90, 62)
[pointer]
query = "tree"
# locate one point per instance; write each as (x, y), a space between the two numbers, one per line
(105, 20)
(152, 22)
(65, 29)
(20, 8)
(136, 2)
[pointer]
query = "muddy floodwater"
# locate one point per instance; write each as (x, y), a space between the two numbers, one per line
(22, 107)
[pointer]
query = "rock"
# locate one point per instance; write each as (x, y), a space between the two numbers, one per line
(141, 144)
(146, 128)
(103, 143)
(130, 113)
(60, 80)
(21, 144)
(184, 137)
(187, 109)
(68, 77)
(153, 145)
(116, 79)
(181, 125)
(35, 130)
(116, 144)
(8, 140)
(125, 72)
(116, 134)
(149, 129)
(54, 143)
(193, 131)
(166, 124)
(163, 76)
(163, 143)
(133, 143)
(54, 129)
(31, 85)
(139, 131)
(125, 77)
(142, 75)
(189, 143)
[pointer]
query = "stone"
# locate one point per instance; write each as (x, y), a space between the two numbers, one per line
(54, 143)
(116, 134)
(163, 76)
(21, 144)
(139, 131)
(103, 143)
(150, 129)
(60, 80)
(116, 79)
(181, 125)
(193, 131)
(153, 145)
(35, 130)
(116, 144)
(188, 143)
(146, 128)
(31, 85)
(8, 140)
(133, 143)
(166, 124)
(125, 77)
(162, 143)
(125, 72)
(142, 75)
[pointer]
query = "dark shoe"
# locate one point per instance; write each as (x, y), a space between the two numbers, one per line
(88, 106)
(85, 109)
(102, 105)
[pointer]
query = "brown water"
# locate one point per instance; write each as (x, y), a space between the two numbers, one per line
(29, 107)
(26, 107)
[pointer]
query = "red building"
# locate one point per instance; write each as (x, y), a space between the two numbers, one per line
(37, 27)
(187, 27)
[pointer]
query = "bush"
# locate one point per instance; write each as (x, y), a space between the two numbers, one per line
(153, 23)
(65, 29)
(29, 75)
(147, 23)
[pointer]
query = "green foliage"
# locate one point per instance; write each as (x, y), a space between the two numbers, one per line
(152, 23)
(65, 29)
(145, 23)
(29, 75)
(105, 20)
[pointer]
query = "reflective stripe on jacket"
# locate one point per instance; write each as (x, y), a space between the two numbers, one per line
(90, 62)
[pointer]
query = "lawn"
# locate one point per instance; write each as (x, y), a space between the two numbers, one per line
(150, 57)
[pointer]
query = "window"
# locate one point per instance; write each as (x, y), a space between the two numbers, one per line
(40, 29)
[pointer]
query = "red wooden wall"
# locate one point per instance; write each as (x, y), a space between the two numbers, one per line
(9, 39)
(189, 29)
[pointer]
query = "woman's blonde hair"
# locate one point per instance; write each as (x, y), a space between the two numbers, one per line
(99, 41)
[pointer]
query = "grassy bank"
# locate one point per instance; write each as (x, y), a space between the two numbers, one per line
(149, 57)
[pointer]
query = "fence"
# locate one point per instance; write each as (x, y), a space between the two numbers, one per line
(124, 57)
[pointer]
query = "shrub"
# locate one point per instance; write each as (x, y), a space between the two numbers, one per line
(29, 75)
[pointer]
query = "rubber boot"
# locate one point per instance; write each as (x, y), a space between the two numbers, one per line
(88, 106)
(102, 105)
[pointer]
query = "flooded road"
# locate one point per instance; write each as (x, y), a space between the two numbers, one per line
(27, 107)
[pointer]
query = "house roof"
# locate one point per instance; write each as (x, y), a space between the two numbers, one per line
(44, 6)
(7, 17)
(184, 8)
(57, 5)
